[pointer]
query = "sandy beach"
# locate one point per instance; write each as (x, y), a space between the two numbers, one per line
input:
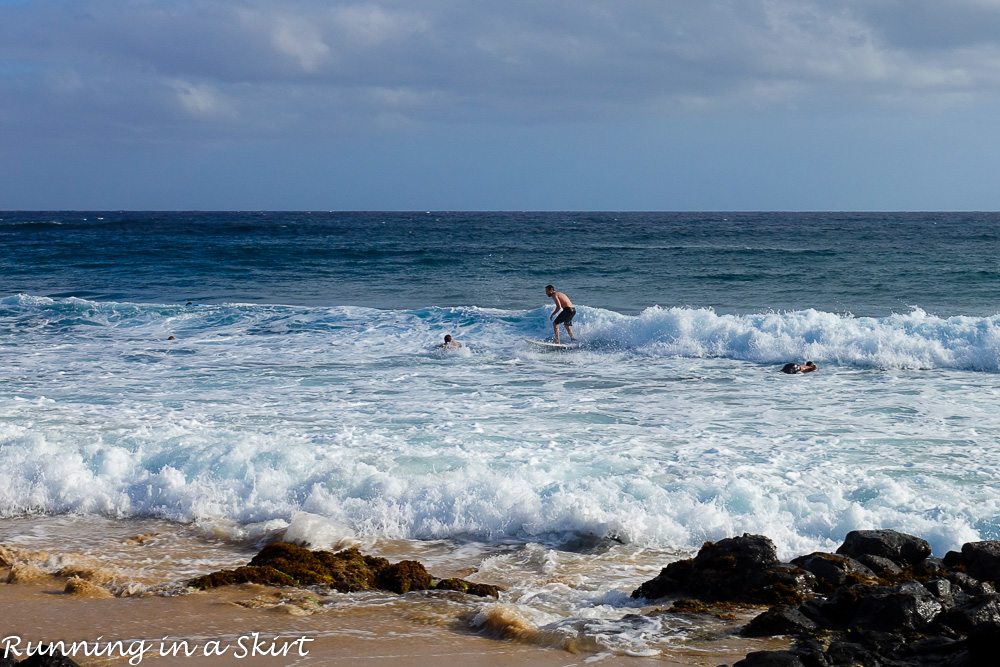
(406, 633)
(73, 596)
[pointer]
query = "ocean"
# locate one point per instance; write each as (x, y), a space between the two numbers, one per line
(235, 375)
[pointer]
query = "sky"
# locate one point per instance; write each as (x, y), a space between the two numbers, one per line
(613, 105)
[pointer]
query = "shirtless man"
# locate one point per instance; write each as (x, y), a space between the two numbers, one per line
(564, 308)
(449, 343)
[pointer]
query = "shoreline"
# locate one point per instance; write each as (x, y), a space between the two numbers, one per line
(882, 596)
(406, 631)
(126, 583)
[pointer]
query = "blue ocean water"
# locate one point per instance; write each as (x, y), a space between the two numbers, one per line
(301, 386)
(859, 263)
(243, 374)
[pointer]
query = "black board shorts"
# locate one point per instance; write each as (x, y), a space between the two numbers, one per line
(566, 316)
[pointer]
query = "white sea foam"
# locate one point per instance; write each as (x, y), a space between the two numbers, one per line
(668, 428)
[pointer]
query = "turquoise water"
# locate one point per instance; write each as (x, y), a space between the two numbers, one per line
(214, 379)
(302, 375)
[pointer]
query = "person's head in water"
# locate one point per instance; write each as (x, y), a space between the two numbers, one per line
(792, 369)
(447, 338)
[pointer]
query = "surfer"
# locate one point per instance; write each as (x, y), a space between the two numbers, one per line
(565, 311)
(793, 369)
(449, 343)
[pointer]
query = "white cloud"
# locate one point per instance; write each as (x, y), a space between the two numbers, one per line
(302, 41)
(516, 61)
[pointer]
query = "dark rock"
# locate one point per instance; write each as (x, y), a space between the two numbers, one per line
(689, 606)
(347, 571)
(883, 568)
(952, 559)
(982, 645)
(810, 652)
(837, 610)
(878, 642)
(267, 576)
(57, 660)
(930, 568)
(821, 612)
(770, 659)
(283, 564)
(978, 615)
(942, 590)
(842, 653)
(403, 577)
(779, 620)
(970, 585)
(982, 560)
(671, 579)
(460, 585)
(737, 554)
(786, 584)
(909, 606)
(900, 608)
(888, 602)
(738, 569)
(933, 646)
(900, 548)
(482, 590)
(833, 571)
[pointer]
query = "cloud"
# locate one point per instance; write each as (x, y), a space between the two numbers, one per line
(314, 66)
(201, 99)
(372, 25)
(301, 41)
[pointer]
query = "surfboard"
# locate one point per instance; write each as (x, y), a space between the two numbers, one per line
(546, 345)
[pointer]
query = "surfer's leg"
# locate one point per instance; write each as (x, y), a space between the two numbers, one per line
(555, 331)
(569, 330)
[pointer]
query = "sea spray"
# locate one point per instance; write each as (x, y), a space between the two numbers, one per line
(913, 340)
(668, 428)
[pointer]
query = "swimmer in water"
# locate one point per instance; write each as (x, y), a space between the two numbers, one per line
(794, 369)
(449, 343)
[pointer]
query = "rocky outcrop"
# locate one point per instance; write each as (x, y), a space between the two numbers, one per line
(348, 571)
(736, 569)
(54, 659)
(833, 571)
(881, 599)
(899, 548)
(461, 585)
(980, 560)
(781, 619)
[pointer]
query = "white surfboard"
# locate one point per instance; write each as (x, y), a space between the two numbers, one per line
(547, 345)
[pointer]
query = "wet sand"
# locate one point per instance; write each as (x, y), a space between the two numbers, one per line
(397, 633)
(100, 581)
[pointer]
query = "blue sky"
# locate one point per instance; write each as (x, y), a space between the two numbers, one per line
(504, 105)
